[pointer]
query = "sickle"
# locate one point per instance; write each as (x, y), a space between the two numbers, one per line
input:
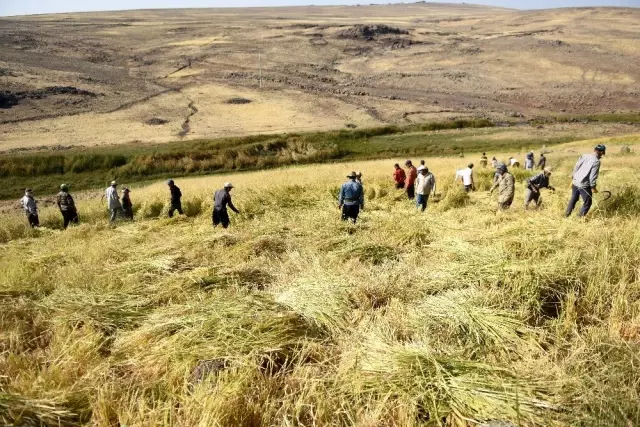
(607, 195)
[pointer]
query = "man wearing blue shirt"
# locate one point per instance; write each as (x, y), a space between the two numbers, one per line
(585, 180)
(351, 198)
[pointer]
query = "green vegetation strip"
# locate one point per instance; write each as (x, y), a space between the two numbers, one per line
(91, 167)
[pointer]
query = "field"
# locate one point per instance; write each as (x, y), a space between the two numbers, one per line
(290, 318)
(149, 77)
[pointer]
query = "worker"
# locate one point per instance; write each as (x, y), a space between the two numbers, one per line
(513, 162)
(585, 179)
(113, 201)
(127, 206)
(425, 186)
(359, 177)
(466, 178)
(351, 198)
(484, 160)
(534, 185)
(399, 176)
(67, 206)
(505, 186)
(412, 174)
(30, 208)
(529, 161)
(176, 196)
(494, 162)
(542, 163)
(221, 199)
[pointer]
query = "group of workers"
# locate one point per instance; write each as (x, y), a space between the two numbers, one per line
(419, 184)
(121, 206)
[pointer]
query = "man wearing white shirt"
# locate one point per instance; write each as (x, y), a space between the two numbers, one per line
(425, 185)
(466, 177)
(113, 200)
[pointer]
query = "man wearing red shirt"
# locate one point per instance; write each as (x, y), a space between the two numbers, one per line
(411, 179)
(399, 177)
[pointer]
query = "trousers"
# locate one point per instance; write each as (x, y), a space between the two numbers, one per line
(421, 201)
(587, 199)
(220, 217)
(175, 206)
(350, 212)
(69, 217)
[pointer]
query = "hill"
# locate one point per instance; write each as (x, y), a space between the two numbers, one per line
(456, 316)
(158, 76)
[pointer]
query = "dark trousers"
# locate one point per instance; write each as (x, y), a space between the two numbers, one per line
(175, 206)
(69, 217)
(587, 199)
(220, 217)
(350, 212)
(411, 192)
(127, 212)
(399, 185)
(34, 221)
(468, 188)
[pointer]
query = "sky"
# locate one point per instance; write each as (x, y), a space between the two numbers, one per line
(28, 7)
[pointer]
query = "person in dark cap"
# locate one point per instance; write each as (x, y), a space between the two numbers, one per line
(505, 186)
(412, 175)
(30, 208)
(399, 177)
(127, 206)
(585, 179)
(542, 163)
(176, 198)
(67, 206)
(351, 198)
(484, 160)
(222, 199)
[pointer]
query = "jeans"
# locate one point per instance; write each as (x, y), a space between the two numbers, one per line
(350, 212)
(587, 199)
(175, 206)
(421, 201)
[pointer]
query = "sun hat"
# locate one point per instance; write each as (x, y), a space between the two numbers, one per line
(547, 170)
(352, 175)
(602, 148)
(228, 185)
(64, 187)
(501, 167)
(114, 183)
(420, 168)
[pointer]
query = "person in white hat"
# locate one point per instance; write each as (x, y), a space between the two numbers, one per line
(534, 185)
(222, 199)
(30, 208)
(425, 186)
(113, 201)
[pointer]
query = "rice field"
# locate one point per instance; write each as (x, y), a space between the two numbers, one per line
(458, 316)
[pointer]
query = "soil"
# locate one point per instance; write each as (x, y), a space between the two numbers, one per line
(321, 67)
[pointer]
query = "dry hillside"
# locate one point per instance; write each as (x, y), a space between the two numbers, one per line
(156, 76)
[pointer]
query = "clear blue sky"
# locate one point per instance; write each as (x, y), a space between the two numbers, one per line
(25, 7)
